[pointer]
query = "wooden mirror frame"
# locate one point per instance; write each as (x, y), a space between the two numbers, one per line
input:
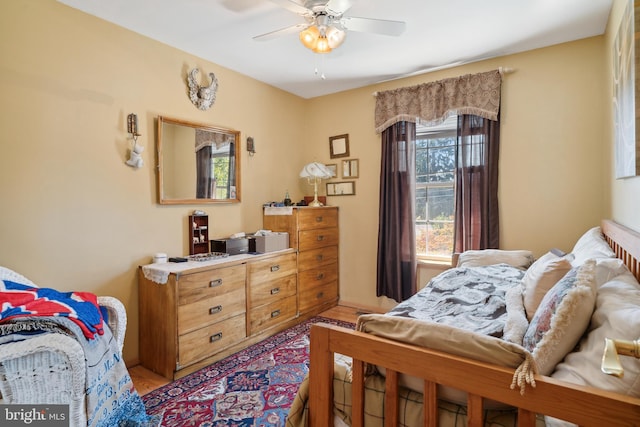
(162, 144)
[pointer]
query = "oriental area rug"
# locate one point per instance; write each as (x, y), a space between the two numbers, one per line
(252, 388)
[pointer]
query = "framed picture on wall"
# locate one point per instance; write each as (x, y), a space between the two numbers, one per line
(625, 98)
(345, 188)
(350, 168)
(339, 146)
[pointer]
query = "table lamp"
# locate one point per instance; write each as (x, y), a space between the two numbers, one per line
(317, 172)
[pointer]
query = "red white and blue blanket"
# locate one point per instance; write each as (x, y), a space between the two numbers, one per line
(111, 398)
(20, 300)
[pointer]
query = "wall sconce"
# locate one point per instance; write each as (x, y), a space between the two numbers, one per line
(135, 158)
(251, 146)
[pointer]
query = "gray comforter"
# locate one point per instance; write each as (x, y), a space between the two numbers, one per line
(471, 298)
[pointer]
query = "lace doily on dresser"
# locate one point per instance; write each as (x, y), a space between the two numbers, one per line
(155, 274)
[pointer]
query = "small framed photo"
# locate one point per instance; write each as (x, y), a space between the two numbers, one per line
(333, 167)
(339, 146)
(350, 168)
(344, 188)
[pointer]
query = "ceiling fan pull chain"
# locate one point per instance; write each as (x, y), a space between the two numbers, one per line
(321, 71)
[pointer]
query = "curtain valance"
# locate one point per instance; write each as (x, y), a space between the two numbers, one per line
(431, 103)
(214, 139)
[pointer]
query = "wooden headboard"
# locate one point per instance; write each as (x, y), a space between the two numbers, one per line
(625, 242)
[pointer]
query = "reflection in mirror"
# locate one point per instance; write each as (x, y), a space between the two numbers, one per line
(197, 163)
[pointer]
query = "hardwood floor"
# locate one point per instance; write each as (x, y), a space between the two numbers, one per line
(146, 381)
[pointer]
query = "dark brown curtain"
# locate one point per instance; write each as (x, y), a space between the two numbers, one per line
(204, 180)
(477, 223)
(396, 275)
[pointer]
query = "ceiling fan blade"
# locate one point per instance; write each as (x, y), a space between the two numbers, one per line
(282, 31)
(379, 26)
(293, 6)
(338, 7)
(240, 6)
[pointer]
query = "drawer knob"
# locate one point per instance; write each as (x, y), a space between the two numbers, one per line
(320, 257)
(319, 219)
(215, 310)
(275, 313)
(320, 276)
(215, 337)
(275, 268)
(275, 291)
(214, 283)
(320, 238)
(320, 295)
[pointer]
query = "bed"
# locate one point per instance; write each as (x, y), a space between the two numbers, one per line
(543, 368)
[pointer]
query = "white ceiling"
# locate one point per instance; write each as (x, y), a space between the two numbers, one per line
(439, 33)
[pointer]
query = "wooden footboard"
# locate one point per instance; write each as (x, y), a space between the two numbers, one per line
(584, 406)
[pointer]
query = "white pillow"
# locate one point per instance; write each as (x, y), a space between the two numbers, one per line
(540, 277)
(617, 315)
(476, 258)
(562, 317)
(591, 245)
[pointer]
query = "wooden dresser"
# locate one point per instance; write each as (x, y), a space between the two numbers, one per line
(314, 233)
(206, 311)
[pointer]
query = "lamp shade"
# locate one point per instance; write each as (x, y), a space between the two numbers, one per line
(315, 170)
(335, 36)
(309, 37)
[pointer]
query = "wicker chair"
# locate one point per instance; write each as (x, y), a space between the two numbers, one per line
(50, 368)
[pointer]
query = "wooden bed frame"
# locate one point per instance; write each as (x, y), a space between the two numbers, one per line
(585, 406)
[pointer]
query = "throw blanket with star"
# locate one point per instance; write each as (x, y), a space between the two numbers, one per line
(20, 300)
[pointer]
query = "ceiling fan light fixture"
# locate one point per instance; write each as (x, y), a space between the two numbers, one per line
(309, 37)
(315, 39)
(335, 36)
(322, 45)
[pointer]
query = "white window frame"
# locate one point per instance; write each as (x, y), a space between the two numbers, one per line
(446, 129)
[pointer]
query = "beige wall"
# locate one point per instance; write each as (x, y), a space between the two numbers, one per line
(75, 217)
(623, 195)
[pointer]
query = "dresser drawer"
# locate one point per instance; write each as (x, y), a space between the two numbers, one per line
(317, 218)
(317, 276)
(317, 238)
(211, 310)
(210, 283)
(274, 290)
(211, 339)
(268, 315)
(309, 298)
(317, 257)
(271, 269)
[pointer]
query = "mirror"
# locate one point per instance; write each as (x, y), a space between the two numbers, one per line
(197, 163)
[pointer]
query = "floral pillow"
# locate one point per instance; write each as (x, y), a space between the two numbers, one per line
(562, 317)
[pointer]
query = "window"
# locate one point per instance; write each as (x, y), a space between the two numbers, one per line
(435, 189)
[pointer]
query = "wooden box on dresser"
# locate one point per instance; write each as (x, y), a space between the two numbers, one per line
(205, 311)
(314, 233)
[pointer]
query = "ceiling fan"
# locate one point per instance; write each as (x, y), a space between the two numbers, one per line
(326, 26)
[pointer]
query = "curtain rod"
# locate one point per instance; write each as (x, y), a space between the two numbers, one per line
(501, 70)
